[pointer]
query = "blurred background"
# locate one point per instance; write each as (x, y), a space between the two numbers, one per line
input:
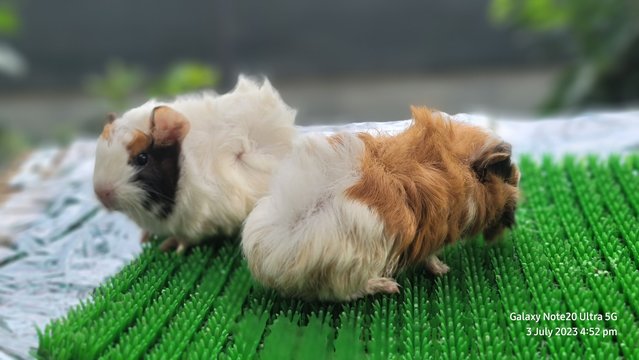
(64, 64)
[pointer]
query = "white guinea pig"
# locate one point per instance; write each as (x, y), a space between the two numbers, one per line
(195, 166)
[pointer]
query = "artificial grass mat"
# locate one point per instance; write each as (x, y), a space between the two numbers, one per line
(575, 252)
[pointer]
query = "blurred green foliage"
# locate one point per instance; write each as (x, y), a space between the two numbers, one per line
(121, 83)
(118, 83)
(604, 35)
(9, 19)
(12, 144)
(184, 77)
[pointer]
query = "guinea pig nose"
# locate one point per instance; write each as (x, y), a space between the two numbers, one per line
(106, 196)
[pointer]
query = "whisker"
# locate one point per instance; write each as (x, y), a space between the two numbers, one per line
(158, 194)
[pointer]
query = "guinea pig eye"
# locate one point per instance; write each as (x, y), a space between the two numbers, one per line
(141, 159)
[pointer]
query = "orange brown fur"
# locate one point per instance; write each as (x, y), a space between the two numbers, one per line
(106, 131)
(336, 140)
(422, 180)
(139, 143)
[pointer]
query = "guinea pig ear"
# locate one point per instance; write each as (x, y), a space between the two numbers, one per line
(110, 117)
(106, 131)
(168, 126)
(494, 160)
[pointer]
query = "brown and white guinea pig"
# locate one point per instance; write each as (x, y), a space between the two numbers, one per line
(195, 166)
(345, 213)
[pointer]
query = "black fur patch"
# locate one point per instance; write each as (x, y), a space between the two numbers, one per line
(159, 178)
(488, 164)
(506, 221)
(508, 217)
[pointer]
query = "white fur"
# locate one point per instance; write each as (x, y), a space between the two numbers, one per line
(234, 143)
(305, 238)
(471, 214)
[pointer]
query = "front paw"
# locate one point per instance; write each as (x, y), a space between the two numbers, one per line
(146, 237)
(171, 243)
(436, 266)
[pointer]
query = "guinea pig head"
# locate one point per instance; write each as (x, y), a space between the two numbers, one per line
(137, 166)
(500, 179)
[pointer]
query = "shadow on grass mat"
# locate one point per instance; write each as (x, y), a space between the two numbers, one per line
(572, 260)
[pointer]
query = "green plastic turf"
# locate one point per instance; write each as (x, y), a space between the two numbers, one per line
(575, 252)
